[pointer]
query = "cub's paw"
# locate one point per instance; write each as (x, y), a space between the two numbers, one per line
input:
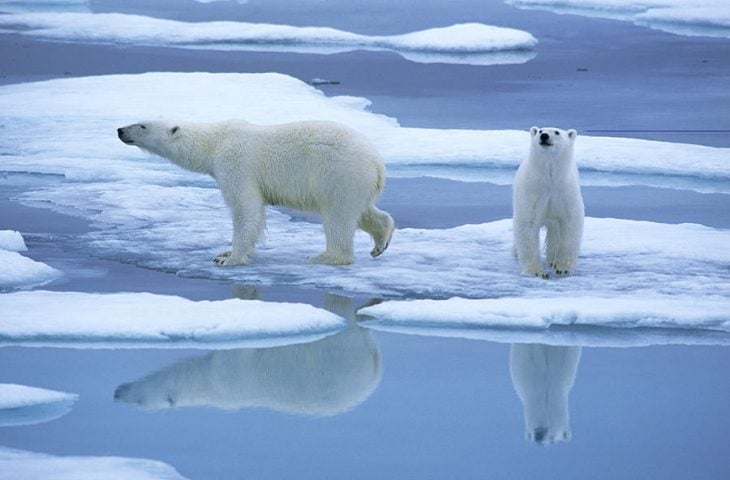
(535, 272)
(561, 268)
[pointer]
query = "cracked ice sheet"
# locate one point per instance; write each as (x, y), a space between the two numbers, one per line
(135, 320)
(709, 18)
(21, 464)
(23, 405)
(17, 271)
(81, 144)
(181, 229)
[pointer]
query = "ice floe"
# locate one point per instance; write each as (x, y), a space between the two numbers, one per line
(17, 464)
(81, 143)
(709, 18)
(23, 405)
(621, 320)
(133, 320)
(325, 377)
(17, 271)
(468, 43)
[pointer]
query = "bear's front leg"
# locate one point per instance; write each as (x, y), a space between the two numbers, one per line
(248, 223)
(527, 246)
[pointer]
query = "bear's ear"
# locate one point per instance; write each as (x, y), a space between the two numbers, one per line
(533, 131)
(174, 130)
(572, 134)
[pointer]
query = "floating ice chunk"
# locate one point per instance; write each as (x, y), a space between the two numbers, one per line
(22, 405)
(511, 319)
(17, 271)
(17, 464)
(469, 43)
(709, 18)
(12, 241)
(141, 319)
(36, 117)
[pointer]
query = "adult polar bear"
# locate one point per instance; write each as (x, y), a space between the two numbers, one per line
(315, 166)
(546, 193)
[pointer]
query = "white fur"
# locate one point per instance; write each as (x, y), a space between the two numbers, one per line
(320, 167)
(543, 376)
(546, 193)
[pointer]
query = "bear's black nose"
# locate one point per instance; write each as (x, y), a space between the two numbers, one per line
(120, 132)
(544, 137)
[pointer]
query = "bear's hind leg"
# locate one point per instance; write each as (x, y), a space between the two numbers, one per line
(380, 226)
(339, 232)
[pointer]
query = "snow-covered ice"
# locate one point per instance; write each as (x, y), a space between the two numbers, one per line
(133, 320)
(467, 43)
(709, 18)
(646, 319)
(17, 271)
(21, 464)
(37, 117)
(154, 214)
(23, 405)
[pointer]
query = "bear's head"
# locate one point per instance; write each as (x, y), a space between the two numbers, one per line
(154, 136)
(552, 141)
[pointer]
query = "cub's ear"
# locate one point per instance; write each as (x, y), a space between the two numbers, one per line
(572, 134)
(533, 131)
(174, 130)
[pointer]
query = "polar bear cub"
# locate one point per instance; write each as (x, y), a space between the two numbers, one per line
(546, 193)
(314, 166)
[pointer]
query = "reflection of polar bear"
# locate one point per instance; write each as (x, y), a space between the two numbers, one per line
(320, 167)
(326, 377)
(543, 376)
(547, 193)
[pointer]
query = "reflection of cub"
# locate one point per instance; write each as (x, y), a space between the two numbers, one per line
(543, 376)
(326, 377)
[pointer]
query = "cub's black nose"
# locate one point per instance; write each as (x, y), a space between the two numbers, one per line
(544, 137)
(120, 132)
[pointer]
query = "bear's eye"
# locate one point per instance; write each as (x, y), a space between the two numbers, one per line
(143, 127)
(557, 133)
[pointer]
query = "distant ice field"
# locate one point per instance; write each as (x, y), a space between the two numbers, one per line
(466, 43)
(709, 18)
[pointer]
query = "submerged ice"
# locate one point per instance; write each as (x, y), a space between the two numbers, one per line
(17, 464)
(24, 405)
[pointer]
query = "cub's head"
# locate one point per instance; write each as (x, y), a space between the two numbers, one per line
(155, 136)
(552, 141)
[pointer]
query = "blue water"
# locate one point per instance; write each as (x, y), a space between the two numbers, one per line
(441, 408)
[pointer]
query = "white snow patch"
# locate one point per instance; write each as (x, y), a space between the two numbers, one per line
(136, 320)
(17, 464)
(468, 43)
(23, 405)
(17, 271)
(648, 318)
(709, 18)
(36, 116)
